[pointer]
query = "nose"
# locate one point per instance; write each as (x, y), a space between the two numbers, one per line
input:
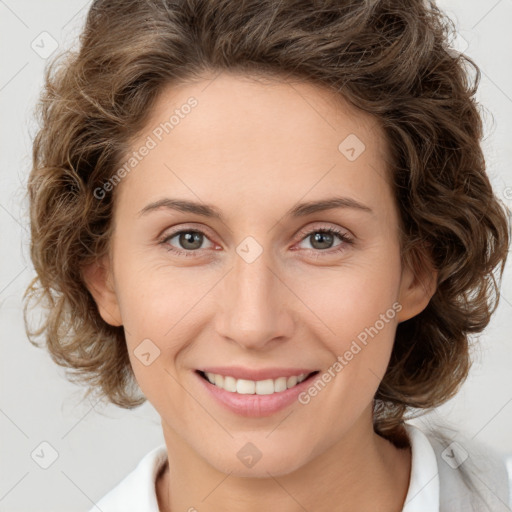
(254, 308)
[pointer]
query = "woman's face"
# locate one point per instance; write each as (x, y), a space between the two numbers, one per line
(241, 279)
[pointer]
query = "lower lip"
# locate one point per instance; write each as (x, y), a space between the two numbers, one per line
(256, 405)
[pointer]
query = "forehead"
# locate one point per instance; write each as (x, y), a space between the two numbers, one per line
(231, 135)
(262, 107)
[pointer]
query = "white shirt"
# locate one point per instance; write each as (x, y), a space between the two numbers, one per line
(423, 492)
(436, 484)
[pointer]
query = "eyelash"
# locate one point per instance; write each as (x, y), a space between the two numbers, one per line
(304, 234)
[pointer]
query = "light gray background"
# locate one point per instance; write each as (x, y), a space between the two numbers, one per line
(98, 447)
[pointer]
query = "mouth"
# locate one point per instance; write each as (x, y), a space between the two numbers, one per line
(255, 387)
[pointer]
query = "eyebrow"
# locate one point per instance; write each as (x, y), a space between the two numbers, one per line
(300, 210)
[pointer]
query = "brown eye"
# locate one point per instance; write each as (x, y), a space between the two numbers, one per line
(321, 240)
(190, 240)
(324, 239)
(186, 241)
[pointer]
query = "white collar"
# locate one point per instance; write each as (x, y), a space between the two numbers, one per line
(137, 493)
(423, 493)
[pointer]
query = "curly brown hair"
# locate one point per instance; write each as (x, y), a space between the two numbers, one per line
(390, 58)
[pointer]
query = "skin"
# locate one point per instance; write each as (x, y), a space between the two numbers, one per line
(254, 150)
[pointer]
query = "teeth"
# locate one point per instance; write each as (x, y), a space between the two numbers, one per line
(251, 387)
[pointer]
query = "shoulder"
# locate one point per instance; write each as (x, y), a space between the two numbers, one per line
(471, 476)
(136, 492)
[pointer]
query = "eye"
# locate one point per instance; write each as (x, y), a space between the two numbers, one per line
(188, 240)
(322, 239)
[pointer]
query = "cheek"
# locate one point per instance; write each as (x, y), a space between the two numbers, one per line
(161, 312)
(357, 309)
(154, 310)
(154, 297)
(351, 298)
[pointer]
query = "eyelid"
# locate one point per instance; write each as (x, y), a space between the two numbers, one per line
(324, 227)
(171, 231)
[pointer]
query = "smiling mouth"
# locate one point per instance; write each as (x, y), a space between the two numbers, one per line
(251, 387)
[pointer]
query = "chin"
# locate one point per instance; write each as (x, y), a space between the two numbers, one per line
(250, 462)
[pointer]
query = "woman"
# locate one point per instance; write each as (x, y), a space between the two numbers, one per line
(274, 219)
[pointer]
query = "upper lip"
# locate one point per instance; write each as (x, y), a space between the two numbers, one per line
(239, 372)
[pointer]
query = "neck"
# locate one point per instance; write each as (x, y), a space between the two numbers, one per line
(358, 472)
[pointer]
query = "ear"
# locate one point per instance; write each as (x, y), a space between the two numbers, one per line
(417, 286)
(97, 277)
